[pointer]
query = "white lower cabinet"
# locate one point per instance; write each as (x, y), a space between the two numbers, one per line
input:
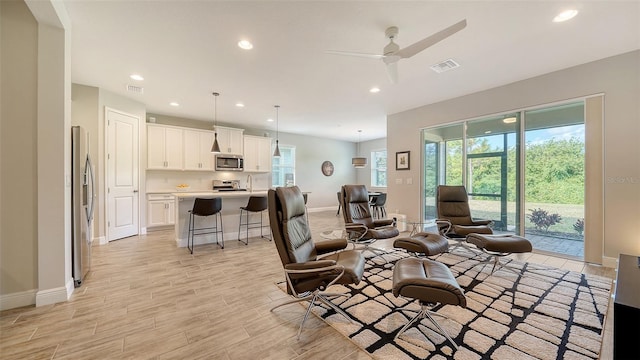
(160, 210)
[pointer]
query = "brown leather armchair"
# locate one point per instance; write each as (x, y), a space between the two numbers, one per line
(307, 275)
(454, 215)
(360, 225)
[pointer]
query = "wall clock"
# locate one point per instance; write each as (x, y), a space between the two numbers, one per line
(327, 168)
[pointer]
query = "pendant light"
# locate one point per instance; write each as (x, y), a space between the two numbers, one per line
(276, 152)
(358, 161)
(216, 147)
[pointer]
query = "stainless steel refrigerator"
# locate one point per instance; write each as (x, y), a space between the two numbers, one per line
(82, 203)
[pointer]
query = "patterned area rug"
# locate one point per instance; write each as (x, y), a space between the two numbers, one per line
(546, 313)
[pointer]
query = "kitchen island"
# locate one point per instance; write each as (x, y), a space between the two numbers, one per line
(231, 203)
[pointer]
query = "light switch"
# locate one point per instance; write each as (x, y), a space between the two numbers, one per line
(399, 181)
(409, 181)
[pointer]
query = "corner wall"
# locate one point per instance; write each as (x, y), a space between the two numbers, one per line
(18, 155)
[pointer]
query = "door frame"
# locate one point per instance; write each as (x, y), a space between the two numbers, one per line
(105, 169)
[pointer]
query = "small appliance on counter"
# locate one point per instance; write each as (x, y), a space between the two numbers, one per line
(227, 185)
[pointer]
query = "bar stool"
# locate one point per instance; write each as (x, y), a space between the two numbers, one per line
(205, 208)
(256, 204)
(306, 211)
(377, 205)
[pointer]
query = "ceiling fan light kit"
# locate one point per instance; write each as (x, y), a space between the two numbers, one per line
(392, 53)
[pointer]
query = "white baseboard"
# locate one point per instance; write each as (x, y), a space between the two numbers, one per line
(143, 231)
(70, 287)
(319, 209)
(609, 262)
(231, 236)
(19, 299)
(51, 296)
(101, 240)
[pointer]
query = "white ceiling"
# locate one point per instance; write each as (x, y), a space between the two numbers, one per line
(187, 49)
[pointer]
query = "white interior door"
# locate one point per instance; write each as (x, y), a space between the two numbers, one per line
(122, 175)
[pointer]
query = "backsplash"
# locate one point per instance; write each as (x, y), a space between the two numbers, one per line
(163, 180)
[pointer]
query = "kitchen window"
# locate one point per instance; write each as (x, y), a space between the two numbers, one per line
(379, 168)
(283, 169)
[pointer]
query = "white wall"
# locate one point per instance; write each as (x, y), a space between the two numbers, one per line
(618, 78)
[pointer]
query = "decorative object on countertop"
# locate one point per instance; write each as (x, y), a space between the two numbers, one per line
(215, 148)
(402, 160)
(359, 161)
(276, 152)
(327, 168)
(183, 187)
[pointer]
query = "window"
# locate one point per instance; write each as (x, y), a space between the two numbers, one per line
(379, 168)
(283, 169)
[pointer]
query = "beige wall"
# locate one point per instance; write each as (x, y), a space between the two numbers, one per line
(311, 152)
(618, 78)
(35, 143)
(18, 151)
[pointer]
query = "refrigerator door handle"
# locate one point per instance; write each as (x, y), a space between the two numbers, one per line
(89, 172)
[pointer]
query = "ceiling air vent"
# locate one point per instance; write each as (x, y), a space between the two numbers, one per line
(445, 66)
(135, 89)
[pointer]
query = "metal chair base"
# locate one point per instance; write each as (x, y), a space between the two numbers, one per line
(315, 298)
(425, 313)
(461, 243)
(494, 258)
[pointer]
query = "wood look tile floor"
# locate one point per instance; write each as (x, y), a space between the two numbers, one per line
(146, 299)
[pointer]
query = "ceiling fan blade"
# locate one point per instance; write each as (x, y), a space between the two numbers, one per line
(392, 71)
(348, 53)
(415, 48)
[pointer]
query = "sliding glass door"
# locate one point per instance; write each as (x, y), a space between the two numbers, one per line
(554, 178)
(524, 170)
(492, 169)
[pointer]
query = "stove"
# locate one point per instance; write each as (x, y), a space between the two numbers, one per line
(227, 185)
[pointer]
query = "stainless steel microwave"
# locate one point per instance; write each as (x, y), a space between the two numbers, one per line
(229, 163)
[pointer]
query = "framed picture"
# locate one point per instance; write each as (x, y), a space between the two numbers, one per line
(402, 160)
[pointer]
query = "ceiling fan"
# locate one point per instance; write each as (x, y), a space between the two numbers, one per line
(392, 53)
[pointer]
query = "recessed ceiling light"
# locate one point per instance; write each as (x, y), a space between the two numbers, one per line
(173, 103)
(270, 120)
(240, 105)
(488, 132)
(509, 120)
(136, 77)
(245, 44)
(565, 15)
(374, 90)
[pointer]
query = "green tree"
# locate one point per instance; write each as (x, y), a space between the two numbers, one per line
(555, 171)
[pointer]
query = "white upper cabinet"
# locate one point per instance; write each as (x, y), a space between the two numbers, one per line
(257, 153)
(230, 140)
(197, 150)
(164, 147)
